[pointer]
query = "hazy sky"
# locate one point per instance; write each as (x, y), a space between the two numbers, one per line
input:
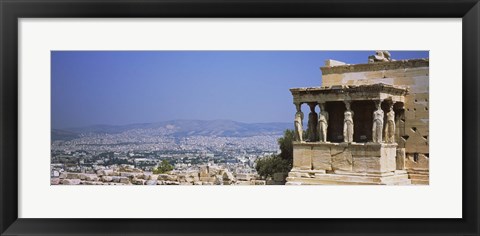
(124, 87)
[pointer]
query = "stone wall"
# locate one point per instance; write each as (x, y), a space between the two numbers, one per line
(353, 157)
(346, 164)
(412, 126)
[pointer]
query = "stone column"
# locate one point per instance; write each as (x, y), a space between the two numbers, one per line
(390, 126)
(348, 124)
(377, 129)
(298, 123)
(322, 123)
(312, 123)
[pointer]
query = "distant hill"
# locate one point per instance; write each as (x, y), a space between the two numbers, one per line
(224, 128)
(63, 135)
(182, 128)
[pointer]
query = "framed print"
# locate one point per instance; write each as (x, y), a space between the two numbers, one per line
(208, 117)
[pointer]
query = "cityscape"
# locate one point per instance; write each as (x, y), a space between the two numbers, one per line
(139, 150)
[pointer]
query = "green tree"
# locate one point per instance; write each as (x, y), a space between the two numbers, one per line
(281, 163)
(286, 145)
(267, 166)
(163, 167)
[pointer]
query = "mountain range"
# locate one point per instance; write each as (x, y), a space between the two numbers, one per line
(181, 128)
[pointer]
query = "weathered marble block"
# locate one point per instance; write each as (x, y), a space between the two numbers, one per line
(107, 178)
(54, 181)
(356, 157)
(379, 158)
(341, 158)
(70, 181)
(302, 157)
(151, 182)
(321, 157)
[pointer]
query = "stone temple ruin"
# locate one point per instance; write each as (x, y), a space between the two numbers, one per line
(372, 127)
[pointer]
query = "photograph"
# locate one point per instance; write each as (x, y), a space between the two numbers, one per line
(203, 117)
(239, 117)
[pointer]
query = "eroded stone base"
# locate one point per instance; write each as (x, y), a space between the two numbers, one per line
(315, 177)
(419, 177)
(353, 157)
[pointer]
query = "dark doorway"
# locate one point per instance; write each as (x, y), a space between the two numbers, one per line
(362, 120)
(335, 121)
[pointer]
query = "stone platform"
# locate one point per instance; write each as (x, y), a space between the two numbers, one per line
(305, 177)
(419, 176)
(317, 163)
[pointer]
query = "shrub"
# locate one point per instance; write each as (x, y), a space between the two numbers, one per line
(282, 163)
(163, 167)
(270, 165)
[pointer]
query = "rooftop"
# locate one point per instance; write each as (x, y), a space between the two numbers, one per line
(339, 68)
(378, 91)
(373, 88)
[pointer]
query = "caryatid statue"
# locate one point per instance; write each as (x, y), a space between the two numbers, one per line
(348, 124)
(312, 123)
(390, 126)
(322, 123)
(377, 129)
(298, 124)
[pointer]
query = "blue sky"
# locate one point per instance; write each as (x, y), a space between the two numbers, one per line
(125, 87)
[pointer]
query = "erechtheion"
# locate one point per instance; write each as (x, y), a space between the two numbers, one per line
(372, 124)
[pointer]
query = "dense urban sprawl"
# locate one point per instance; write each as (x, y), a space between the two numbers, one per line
(131, 157)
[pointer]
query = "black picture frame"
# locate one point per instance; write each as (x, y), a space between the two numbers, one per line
(12, 10)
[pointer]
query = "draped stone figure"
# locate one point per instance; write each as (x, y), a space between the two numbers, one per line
(377, 129)
(348, 124)
(312, 123)
(298, 126)
(322, 124)
(390, 126)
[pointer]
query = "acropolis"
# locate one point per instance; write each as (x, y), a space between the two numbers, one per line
(371, 128)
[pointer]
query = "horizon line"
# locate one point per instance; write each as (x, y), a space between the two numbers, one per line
(171, 120)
